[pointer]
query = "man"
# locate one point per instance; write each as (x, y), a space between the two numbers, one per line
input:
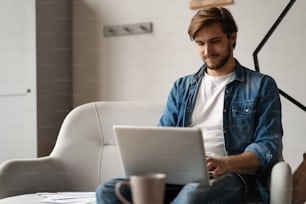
(238, 110)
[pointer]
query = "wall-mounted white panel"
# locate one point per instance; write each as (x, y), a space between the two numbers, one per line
(17, 79)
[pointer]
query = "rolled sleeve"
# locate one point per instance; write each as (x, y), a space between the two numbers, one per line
(268, 133)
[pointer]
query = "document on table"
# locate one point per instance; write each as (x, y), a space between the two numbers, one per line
(68, 197)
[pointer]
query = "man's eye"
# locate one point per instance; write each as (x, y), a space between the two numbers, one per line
(215, 41)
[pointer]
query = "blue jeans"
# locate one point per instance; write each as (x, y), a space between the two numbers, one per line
(230, 189)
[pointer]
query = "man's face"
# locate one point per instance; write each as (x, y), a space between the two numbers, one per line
(214, 46)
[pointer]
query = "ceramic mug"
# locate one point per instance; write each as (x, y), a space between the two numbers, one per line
(146, 189)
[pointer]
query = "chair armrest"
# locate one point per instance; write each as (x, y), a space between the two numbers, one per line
(24, 176)
(281, 184)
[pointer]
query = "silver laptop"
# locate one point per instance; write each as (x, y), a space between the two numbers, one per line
(177, 152)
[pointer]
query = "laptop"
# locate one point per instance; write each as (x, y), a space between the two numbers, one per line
(175, 151)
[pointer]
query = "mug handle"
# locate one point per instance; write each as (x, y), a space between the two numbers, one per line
(117, 191)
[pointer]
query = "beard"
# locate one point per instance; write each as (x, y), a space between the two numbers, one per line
(222, 61)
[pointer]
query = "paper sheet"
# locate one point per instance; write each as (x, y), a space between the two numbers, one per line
(68, 197)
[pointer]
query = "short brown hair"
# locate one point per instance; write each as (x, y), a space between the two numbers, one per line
(212, 15)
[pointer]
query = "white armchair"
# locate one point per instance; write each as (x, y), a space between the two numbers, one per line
(85, 155)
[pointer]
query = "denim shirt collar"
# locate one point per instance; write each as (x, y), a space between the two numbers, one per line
(239, 73)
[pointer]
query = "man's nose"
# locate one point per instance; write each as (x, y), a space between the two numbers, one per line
(207, 49)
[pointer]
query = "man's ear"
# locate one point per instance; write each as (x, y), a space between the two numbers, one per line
(233, 38)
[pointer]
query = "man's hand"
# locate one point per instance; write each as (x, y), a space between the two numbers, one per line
(246, 162)
(217, 166)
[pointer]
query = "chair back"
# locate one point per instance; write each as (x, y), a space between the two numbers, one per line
(86, 143)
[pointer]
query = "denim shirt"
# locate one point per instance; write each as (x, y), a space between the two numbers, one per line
(251, 114)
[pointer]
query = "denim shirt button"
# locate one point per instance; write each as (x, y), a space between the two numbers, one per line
(224, 110)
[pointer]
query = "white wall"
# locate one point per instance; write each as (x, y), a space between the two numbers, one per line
(143, 67)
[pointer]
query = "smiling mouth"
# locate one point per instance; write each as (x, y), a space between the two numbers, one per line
(211, 58)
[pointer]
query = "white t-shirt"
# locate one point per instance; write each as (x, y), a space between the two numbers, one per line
(208, 113)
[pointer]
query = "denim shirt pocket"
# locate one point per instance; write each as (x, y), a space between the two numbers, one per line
(244, 107)
(243, 123)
